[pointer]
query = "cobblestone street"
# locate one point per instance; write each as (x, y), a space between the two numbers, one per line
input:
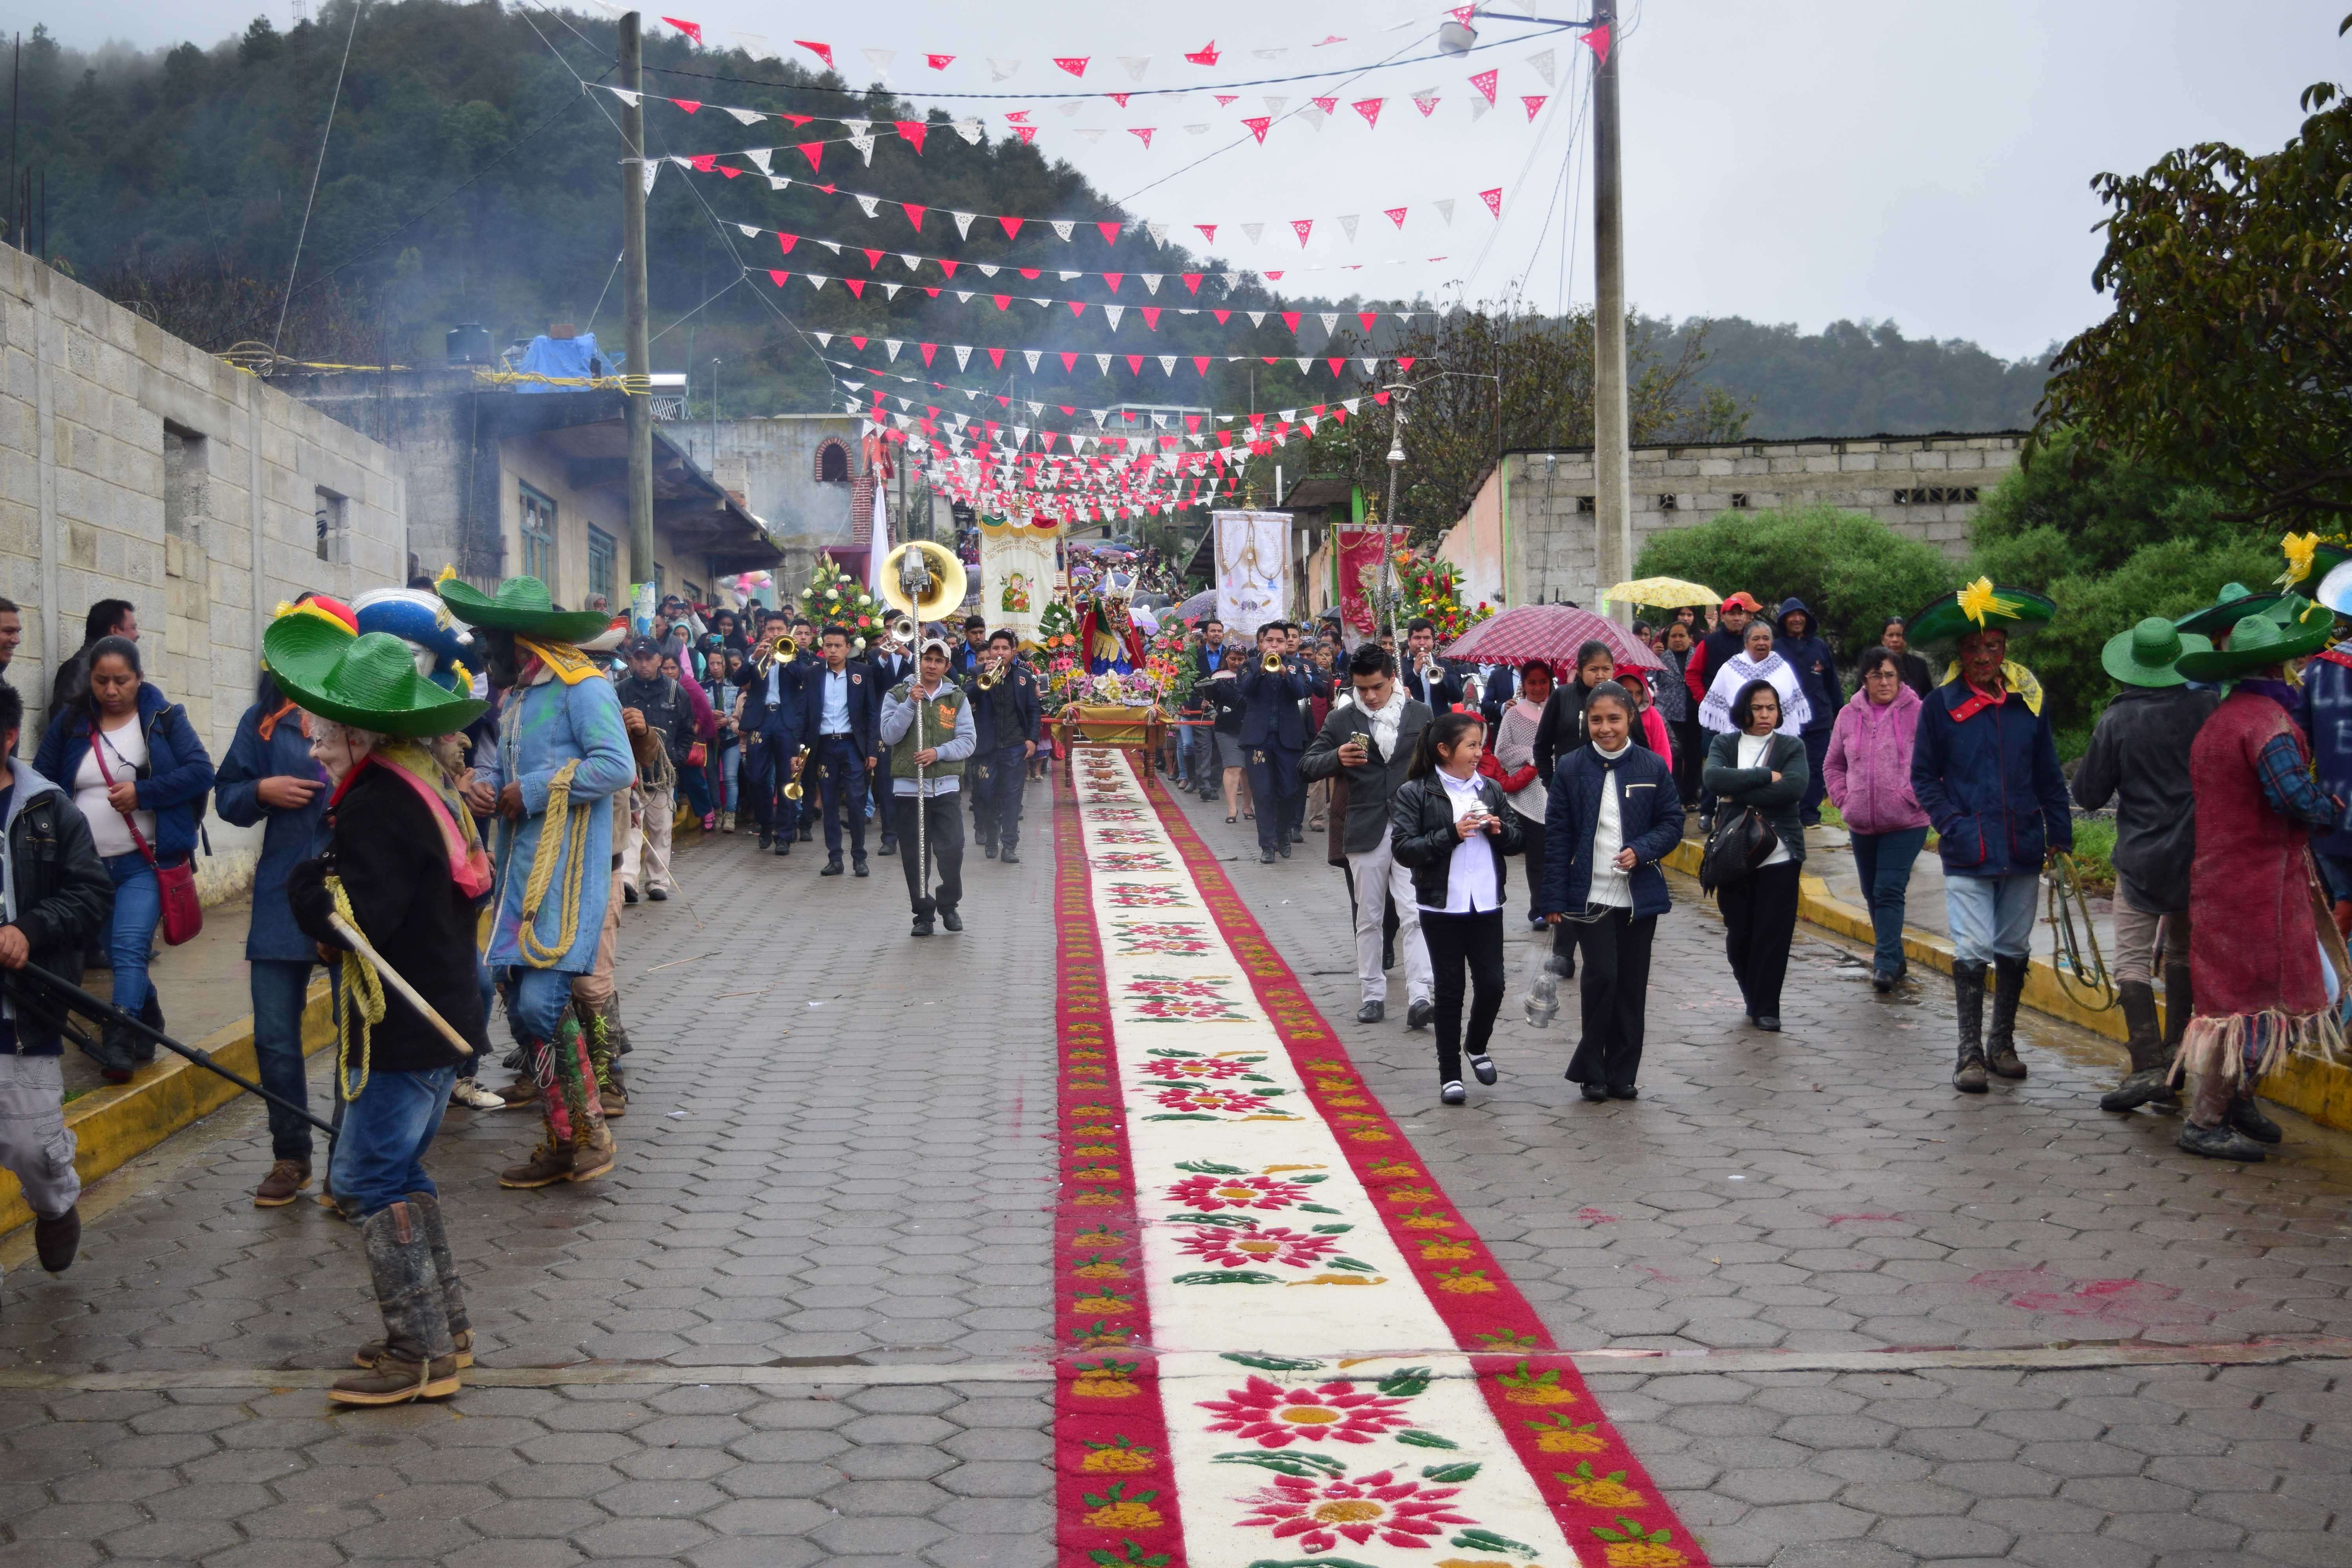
(809, 1315)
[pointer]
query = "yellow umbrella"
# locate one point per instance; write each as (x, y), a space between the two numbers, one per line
(1662, 593)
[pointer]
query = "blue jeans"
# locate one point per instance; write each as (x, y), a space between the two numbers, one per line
(279, 987)
(1884, 861)
(1189, 756)
(694, 785)
(730, 762)
(380, 1153)
(138, 907)
(536, 999)
(1991, 916)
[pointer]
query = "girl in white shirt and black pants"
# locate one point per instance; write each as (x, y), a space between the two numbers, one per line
(1452, 828)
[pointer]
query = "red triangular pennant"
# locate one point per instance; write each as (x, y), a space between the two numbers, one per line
(1485, 82)
(822, 51)
(1073, 64)
(1302, 228)
(857, 286)
(1369, 107)
(911, 130)
(928, 350)
(1494, 200)
(996, 358)
(1113, 280)
(1011, 227)
(1258, 127)
(1206, 54)
(938, 62)
(1151, 317)
(1535, 102)
(691, 29)
(1290, 320)
(1110, 232)
(1597, 40)
(813, 152)
(688, 104)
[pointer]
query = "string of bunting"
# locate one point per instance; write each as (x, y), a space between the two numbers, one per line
(1067, 230)
(913, 261)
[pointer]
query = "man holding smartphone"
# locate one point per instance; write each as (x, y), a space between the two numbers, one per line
(1371, 740)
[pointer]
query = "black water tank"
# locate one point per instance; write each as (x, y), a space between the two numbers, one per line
(470, 344)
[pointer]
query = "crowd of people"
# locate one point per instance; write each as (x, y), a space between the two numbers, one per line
(521, 769)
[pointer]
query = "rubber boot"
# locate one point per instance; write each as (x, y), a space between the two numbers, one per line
(2180, 1002)
(427, 1208)
(1968, 998)
(418, 1359)
(2145, 1079)
(2247, 1117)
(2000, 1043)
(2208, 1132)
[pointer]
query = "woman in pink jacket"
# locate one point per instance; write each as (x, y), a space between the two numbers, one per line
(1869, 774)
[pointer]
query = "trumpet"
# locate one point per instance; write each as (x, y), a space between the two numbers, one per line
(1272, 662)
(791, 790)
(993, 676)
(767, 653)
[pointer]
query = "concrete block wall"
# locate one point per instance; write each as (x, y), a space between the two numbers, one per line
(1552, 543)
(136, 466)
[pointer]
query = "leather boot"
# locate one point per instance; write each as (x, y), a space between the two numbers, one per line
(549, 1162)
(2247, 1118)
(2144, 1079)
(1968, 996)
(2180, 1002)
(427, 1209)
(2207, 1130)
(2001, 1044)
(605, 1040)
(418, 1360)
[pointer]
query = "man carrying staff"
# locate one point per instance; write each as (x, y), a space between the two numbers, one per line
(563, 755)
(927, 723)
(2260, 996)
(404, 867)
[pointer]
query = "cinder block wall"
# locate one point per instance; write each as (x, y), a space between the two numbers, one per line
(135, 465)
(1924, 488)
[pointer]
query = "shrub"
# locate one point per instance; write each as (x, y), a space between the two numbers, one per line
(1850, 568)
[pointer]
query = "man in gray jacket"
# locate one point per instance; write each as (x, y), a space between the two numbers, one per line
(1371, 740)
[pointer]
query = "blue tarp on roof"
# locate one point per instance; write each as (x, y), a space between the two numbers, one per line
(564, 359)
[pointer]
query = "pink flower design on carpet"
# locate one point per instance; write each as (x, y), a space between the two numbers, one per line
(1235, 1100)
(1271, 1417)
(1217, 1069)
(1129, 860)
(1146, 896)
(1210, 1193)
(1318, 1515)
(1239, 1248)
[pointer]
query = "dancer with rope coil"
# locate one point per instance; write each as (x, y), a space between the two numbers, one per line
(563, 755)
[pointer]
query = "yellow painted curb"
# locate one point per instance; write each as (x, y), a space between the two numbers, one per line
(2318, 1089)
(114, 1125)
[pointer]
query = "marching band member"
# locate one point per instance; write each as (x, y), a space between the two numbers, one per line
(927, 723)
(1004, 693)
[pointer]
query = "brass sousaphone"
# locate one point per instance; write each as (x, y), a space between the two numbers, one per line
(922, 581)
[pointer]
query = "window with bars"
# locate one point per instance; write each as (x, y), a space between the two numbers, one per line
(604, 565)
(1938, 495)
(538, 536)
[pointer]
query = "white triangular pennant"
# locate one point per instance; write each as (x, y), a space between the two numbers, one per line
(1445, 210)
(1479, 109)
(963, 224)
(746, 116)
(1252, 230)
(891, 290)
(1168, 365)
(1331, 320)
(1257, 318)
(865, 144)
(892, 345)
(1034, 355)
(879, 58)
(1114, 312)
(653, 167)
(1135, 65)
(1092, 133)
(824, 338)
(1544, 63)
(871, 205)
(1061, 227)
(1314, 116)
(970, 130)
(1102, 363)
(1347, 224)
(963, 355)
(760, 156)
(1151, 282)
(998, 70)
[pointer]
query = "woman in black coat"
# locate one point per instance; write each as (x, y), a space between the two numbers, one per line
(1451, 828)
(1754, 767)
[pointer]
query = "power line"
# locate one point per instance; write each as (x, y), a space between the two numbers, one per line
(324, 131)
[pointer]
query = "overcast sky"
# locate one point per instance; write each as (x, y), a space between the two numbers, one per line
(1924, 163)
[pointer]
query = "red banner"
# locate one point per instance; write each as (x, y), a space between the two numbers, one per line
(1360, 577)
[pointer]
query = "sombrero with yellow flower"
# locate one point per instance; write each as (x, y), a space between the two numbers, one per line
(2310, 558)
(1980, 605)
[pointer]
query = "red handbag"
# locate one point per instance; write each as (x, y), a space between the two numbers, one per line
(184, 916)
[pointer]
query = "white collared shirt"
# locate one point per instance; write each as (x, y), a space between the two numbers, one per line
(1470, 877)
(1609, 885)
(835, 718)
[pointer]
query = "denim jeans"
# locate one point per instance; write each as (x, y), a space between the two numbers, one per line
(730, 763)
(1991, 916)
(536, 999)
(1884, 859)
(280, 988)
(138, 907)
(380, 1153)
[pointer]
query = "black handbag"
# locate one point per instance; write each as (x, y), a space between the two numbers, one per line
(1741, 842)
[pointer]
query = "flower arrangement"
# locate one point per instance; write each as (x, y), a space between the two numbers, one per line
(1136, 689)
(834, 597)
(1432, 588)
(1057, 655)
(1167, 661)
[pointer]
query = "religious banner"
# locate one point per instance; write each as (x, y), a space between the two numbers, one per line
(1360, 577)
(1253, 562)
(1016, 574)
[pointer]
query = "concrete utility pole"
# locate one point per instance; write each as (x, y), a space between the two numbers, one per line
(639, 365)
(1612, 420)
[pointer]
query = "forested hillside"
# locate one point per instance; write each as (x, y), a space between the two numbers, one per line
(469, 178)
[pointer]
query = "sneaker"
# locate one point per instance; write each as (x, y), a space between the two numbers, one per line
(57, 1240)
(1483, 1069)
(392, 1381)
(286, 1178)
(468, 1092)
(785, 844)
(1451, 1092)
(988, 848)
(709, 821)
(547, 1166)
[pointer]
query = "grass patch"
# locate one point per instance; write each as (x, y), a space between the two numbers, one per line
(2094, 853)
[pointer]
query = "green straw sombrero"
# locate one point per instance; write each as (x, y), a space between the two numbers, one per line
(2147, 654)
(521, 604)
(2233, 603)
(1980, 606)
(369, 683)
(2260, 641)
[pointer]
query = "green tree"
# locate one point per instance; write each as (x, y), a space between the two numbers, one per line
(2228, 357)
(1852, 569)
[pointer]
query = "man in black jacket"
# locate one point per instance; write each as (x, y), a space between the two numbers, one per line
(661, 703)
(403, 867)
(1274, 732)
(1004, 713)
(57, 894)
(1421, 659)
(1371, 741)
(838, 704)
(2140, 758)
(889, 664)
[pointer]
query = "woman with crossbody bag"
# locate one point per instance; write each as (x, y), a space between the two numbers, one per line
(139, 776)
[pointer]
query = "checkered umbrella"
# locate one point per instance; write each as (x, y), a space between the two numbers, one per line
(1548, 632)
